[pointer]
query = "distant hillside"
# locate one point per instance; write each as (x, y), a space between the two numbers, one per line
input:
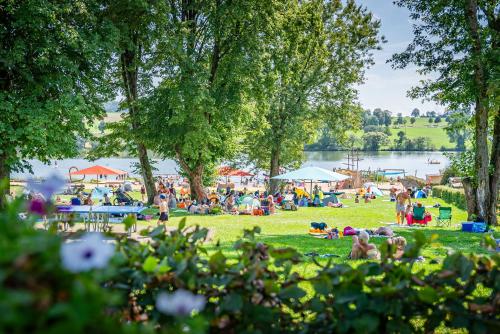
(422, 128)
(435, 134)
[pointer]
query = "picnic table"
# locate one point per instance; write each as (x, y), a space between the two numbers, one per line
(98, 215)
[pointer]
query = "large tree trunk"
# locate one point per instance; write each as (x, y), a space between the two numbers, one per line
(494, 24)
(195, 177)
(495, 176)
(470, 198)
(129, 76)
(147, 173)
(5, 179)
(275, 169)
(481, 115)
(5, 86)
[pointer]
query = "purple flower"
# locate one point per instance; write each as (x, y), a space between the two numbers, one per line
(37, 206)
(90, 252)
(48, 187)
(180, 303)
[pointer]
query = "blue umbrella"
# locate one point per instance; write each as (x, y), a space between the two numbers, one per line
(98, 192)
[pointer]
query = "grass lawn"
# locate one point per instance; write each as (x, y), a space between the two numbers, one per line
(290, 229)
(421, 128)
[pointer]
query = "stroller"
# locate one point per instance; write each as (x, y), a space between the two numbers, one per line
(122, 198)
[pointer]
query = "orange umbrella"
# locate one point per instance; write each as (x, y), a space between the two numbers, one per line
(228, 171)
(240, 173)
(99, 170)
(225, 171)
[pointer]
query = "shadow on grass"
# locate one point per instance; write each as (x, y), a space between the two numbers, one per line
(302, 243)
(447, 240)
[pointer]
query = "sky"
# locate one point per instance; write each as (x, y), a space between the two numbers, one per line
(385, 87)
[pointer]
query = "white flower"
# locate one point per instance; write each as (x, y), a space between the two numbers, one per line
(88, 253)
(47, 188)
(179, 303)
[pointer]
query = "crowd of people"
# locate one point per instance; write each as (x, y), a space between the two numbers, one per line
(225, 199)
(222, 200)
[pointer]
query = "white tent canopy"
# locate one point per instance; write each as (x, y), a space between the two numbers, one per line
(312, 174)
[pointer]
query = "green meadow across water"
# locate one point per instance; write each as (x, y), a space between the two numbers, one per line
(421, 128)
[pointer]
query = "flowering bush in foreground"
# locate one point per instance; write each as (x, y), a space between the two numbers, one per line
(89, 253)
(38, 294)
(173, 285)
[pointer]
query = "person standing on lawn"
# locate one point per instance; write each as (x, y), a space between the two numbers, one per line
(163, 209)
(143, 192)
(401, 199)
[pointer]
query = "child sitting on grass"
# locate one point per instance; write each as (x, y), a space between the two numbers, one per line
(361, 249)
(400, 243)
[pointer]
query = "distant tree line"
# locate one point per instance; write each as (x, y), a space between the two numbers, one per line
(376, 126)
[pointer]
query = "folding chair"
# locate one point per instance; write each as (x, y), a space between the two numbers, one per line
(444, 218)
(419, 215)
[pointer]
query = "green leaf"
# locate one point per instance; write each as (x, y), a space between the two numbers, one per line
(292, 291)
(182, 224)
(348, 295)
(428, 295)
(164, 267)
(160, 230)
(370, 269)
(181, 266)
(317, 305)
(232, 302)
(366, 323)
(217, 262)
(323, 285)
(150, 264)
(129, 221)
(284, 253)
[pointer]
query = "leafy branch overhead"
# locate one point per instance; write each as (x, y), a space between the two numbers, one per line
(313, 59)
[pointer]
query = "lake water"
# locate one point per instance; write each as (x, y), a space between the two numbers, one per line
(414, 163)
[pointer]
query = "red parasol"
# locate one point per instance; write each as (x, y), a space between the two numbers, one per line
(239, 173)
(99, 170)
(225, 170)
(228, 171)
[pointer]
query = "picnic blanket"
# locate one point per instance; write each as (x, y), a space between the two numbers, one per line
(314, 254)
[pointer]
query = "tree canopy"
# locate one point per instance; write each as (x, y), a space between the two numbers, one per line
(208, 59)
(53, 77)
(459, 41)
(314, 57)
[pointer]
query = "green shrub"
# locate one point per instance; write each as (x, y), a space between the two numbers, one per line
(147, 287)
(38, 295)
(450, 195)
(448, 172)
(258, 291)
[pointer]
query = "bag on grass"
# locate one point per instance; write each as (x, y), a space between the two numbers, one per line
(349, 231)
